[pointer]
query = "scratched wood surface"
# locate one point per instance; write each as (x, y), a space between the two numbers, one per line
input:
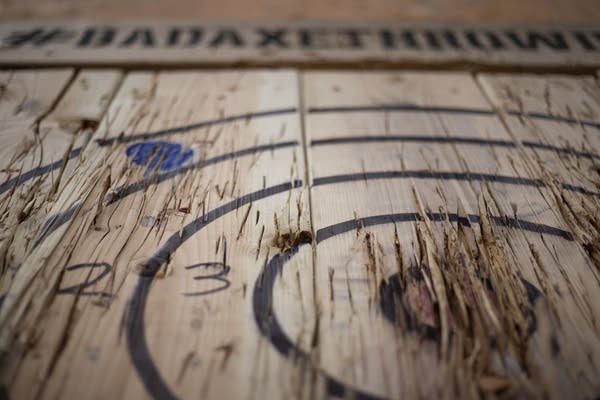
(297, 234)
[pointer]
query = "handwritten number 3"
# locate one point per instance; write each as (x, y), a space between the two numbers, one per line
(218, 276)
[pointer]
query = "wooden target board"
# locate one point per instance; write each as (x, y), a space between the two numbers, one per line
(299, 233)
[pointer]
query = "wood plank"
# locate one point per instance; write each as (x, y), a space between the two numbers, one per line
(128, 291)
(376, 10)
(253, 233)
(45, 143)
(26, 97)
(173, 43)
(488, 291)
(560, 115)
(559, 111)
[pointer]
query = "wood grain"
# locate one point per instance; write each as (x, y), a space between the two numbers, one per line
(430, 147)
(338, 10)
(294, 234)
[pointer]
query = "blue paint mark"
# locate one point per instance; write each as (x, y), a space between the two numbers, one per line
(159, 155)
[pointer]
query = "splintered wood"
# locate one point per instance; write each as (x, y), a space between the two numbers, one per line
(286, 234)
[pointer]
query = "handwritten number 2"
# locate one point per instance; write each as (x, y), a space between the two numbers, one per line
(78, 289)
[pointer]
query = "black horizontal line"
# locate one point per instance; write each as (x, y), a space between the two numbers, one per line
(447, 110)
(411, 138)
(449, 139)
(197, 125)
(35, 172)
(350, 225)
(400, 107)
(444, 175)
(558, 149)
(556, 118)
